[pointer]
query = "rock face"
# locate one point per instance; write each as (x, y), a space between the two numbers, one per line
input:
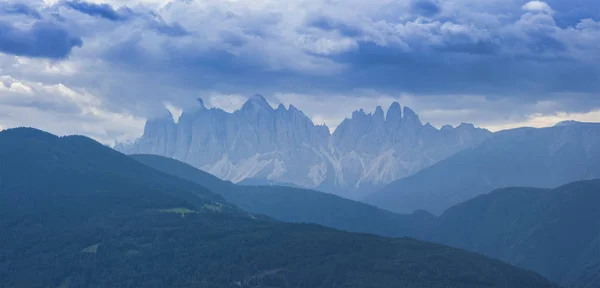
(283, 145)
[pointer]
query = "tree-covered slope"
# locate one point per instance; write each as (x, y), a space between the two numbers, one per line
(74, 213)
(555, 232)
(300, 205)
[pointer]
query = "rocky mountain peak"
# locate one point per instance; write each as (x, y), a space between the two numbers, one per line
(466, 126)
(296, 111)
(394, 113)
(378, 116)
(410, 117)
(284, 145)
(257, 103)
(358, 114)
(447, 128)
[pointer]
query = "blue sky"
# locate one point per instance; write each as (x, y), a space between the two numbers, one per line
(101, 68)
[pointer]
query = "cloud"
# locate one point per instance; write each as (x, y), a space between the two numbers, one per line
(425, 8)
(539, 120)
(104, 10)
(43, 39)
(569, 13)
(505, 56)
(19, 8)
(328, 24)
(150, 19)
(173, 30)
(62, 110)
(537, 6)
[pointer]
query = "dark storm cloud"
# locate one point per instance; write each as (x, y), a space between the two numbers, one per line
(434, 50)
(569, 13)
(42, 40)
(105, 11)
(124, 13)
(425, 8)
(19, 8)
(173, 30)
(329, 24)
(445, 59)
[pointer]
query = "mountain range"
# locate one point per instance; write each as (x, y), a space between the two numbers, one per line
(283, 145)
(523, 157)
(74, 213)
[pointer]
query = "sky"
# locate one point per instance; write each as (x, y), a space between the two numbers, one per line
(102, 67)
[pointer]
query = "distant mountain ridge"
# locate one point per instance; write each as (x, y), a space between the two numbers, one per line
(522, 157)
(283, 145)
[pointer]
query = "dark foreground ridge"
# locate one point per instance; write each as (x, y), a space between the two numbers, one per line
(74, 213)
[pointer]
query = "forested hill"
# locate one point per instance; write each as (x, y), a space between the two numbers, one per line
(555, 232)
(74, 213)
(301, 205)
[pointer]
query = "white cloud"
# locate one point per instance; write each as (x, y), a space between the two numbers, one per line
(538, 6)
(227, 102)
(175, 111)
(63, 110)
(539, 120)
(8, 84)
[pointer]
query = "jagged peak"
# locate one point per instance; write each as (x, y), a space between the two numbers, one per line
(410, 115)
(394, 113)
(447, 127)
(257, 98)
(359, 113)
(408, 112)
(257, 101)
(281, 107)
(464, 125)
(395, 105)
(324, 127)
(295, 110)
(378, 115)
